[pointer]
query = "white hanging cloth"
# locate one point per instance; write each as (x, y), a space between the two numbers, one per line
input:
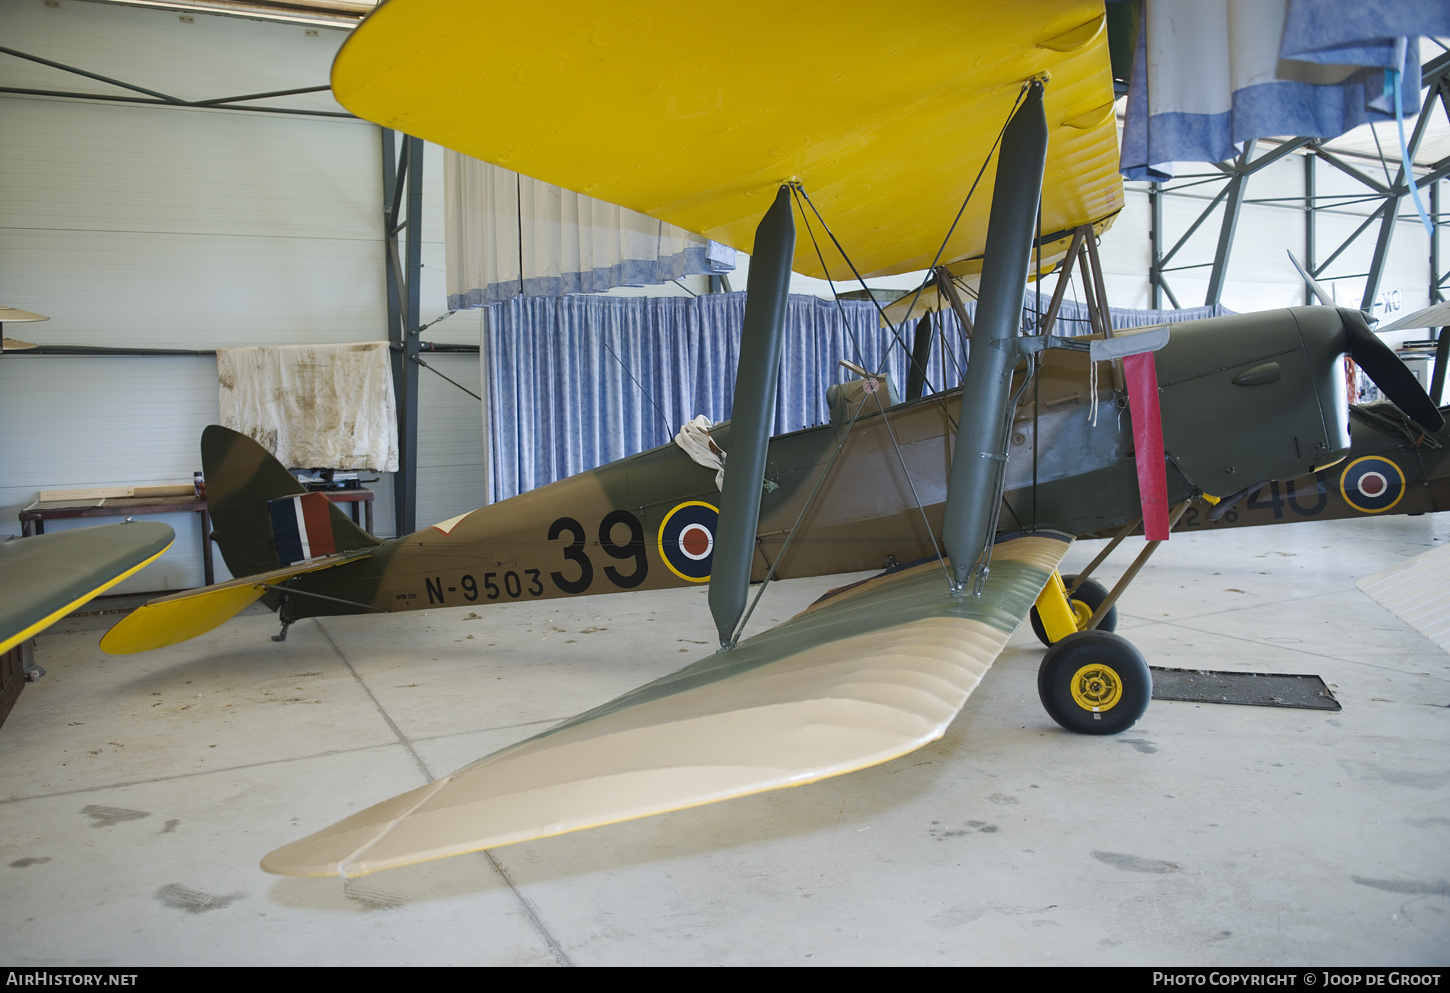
(508, 235)
(694, 439)
(313, 406)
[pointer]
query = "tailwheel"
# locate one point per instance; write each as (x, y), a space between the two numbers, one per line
(1094, 682)
(1088, 598)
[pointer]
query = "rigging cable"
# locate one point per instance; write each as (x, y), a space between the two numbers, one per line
(960, 210)
(798, 189)
(669, 431)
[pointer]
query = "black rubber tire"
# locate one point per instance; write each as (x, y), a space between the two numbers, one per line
(1091, 593)
(1125, 682)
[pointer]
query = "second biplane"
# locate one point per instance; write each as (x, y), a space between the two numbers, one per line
(968, 499)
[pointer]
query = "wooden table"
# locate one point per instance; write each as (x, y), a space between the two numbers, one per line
(35, 515)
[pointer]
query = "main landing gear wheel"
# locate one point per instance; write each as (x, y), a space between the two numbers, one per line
(1087, 599)
(1094, 682)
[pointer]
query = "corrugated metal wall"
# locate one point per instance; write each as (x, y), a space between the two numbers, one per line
(139, 226)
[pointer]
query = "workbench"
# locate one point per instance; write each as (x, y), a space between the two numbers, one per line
(33, 517)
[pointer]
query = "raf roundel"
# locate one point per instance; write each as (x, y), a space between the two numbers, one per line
(687, 540)
(1372, 485)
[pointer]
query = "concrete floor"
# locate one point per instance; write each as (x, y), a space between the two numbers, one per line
(138, 793)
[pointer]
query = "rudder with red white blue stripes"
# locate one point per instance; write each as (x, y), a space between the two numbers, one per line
(301, 527)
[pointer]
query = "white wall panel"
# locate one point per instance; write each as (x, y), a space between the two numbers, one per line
(1126, 253)
(146, 226)
(205, 58)
(73, 422)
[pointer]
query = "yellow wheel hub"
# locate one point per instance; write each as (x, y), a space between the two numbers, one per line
(1081, 613)
(1096, 687)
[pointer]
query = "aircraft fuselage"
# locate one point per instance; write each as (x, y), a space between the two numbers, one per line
(1244, 399)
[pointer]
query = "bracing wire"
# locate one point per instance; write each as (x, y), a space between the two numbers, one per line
(895, 330)
(798, 191)
(967, 199)
(647, 395)
(855, 342)
(896, 447)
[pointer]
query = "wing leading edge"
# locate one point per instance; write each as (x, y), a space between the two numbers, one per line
(868, 674)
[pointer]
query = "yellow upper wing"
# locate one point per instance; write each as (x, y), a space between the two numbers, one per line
(870, 673)
(695, 114)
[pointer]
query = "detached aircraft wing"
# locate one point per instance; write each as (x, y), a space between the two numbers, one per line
(869, 673)
(47, 576)
(884, 120)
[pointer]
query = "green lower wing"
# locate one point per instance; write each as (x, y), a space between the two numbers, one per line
(45, 577)
(870, 673)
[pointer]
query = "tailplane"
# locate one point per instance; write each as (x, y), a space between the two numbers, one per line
(269, 529)
(170, 620)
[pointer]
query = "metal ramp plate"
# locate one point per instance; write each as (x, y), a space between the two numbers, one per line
(1247, 689)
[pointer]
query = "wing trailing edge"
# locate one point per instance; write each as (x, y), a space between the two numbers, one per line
(870, 673)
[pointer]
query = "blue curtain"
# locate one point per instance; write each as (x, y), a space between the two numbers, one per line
(578, 381)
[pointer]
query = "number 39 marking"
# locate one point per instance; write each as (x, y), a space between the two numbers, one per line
(632, 548)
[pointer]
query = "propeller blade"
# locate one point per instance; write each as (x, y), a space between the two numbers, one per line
(1431, 317)
(1319, 291)
(1382, 365)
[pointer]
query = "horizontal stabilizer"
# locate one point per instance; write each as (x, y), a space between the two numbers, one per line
(870, 673)
(170, 620)
(45, 577)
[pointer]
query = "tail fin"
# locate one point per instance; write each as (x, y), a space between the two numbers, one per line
(247, 490)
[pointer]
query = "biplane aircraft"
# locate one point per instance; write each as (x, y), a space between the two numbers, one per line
(967, 499)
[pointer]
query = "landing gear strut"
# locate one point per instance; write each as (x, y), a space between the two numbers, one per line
(284, 611)
(1091, 680)
(1087, 598)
